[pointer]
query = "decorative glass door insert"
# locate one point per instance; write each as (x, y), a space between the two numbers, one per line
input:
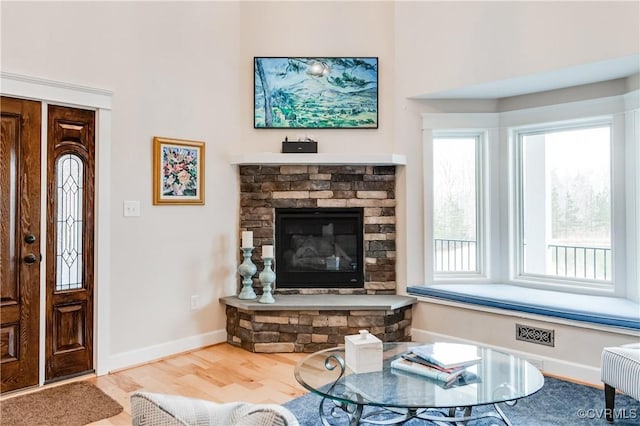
(69, 172)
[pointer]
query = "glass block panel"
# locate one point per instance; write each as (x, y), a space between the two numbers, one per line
(69, 178)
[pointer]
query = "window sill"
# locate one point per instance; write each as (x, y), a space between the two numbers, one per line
(608, 311)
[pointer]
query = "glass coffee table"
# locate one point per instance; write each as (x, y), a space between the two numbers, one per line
(397, 397)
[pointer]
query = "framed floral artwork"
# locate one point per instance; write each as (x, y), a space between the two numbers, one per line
(178, 171)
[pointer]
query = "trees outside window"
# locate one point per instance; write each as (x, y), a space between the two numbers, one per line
(565, 202)
(455, 201)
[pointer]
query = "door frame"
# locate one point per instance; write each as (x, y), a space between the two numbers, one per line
(99, 100)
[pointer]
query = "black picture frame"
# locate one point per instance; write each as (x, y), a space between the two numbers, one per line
(336, 92)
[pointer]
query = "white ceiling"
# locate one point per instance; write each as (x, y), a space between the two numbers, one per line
(568, 77)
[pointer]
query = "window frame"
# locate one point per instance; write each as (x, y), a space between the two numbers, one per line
(624, 113)
(516, 210)
(481, 137)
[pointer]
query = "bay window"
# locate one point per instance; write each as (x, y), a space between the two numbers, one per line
(544, 198)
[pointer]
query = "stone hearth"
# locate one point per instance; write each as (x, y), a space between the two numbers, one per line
(308, 323)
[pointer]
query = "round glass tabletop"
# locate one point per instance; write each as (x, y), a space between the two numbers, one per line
(497, 377)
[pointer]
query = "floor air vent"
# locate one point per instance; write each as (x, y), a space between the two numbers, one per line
(535, 335)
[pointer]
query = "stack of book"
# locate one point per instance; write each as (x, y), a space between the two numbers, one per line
(445, 362)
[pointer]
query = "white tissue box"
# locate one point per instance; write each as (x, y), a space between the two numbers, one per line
(363, 352)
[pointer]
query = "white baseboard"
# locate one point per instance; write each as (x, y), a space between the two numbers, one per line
(155, 352)
(554, 366)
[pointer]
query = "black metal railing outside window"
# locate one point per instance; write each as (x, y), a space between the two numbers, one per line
(581, 262)
(454, 255)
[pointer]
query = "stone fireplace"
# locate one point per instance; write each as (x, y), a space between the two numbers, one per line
(357, 257)
(265, 188)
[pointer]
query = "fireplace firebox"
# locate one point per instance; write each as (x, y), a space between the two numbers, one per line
(319, 247)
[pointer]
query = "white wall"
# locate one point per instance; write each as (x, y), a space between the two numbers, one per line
(464, 44)
(576, 352)
(184, 70)
(331, 28)
(173, 72)
(444, 45)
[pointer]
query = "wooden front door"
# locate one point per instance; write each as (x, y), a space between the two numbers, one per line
(70, 235)
(19, 243)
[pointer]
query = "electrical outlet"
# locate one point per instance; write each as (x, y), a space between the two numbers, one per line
(131, 208)
(195, 302)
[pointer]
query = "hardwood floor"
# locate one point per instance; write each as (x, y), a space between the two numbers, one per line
(221, 373)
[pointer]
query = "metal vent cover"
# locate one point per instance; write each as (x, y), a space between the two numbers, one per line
(536, 335)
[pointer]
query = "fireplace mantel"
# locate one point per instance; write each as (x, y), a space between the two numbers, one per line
(273, 158)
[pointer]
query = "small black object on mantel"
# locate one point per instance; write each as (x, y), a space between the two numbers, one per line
(308, 147)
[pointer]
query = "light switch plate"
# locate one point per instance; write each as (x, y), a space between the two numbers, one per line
(131, 208)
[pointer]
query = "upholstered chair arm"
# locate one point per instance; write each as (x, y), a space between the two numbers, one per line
(150, 409)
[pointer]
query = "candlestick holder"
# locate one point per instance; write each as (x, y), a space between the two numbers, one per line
(247, 269)
(267, 276)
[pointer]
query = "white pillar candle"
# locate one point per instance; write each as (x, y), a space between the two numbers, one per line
(267, 251)
(247, 239)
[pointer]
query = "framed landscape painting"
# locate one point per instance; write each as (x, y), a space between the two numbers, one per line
(178, 171)
(315, 93)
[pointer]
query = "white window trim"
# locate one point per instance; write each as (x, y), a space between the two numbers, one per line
(516, 274)
(632, 179)
(482, 195)
(465, 124)
(625, 113)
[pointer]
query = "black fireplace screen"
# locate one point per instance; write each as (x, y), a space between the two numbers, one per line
(317, 248)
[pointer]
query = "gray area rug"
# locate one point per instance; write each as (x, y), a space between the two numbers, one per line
(558, 403)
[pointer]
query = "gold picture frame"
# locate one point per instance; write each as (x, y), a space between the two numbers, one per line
(178, 171)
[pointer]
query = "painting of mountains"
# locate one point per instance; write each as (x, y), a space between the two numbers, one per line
(316, 93)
